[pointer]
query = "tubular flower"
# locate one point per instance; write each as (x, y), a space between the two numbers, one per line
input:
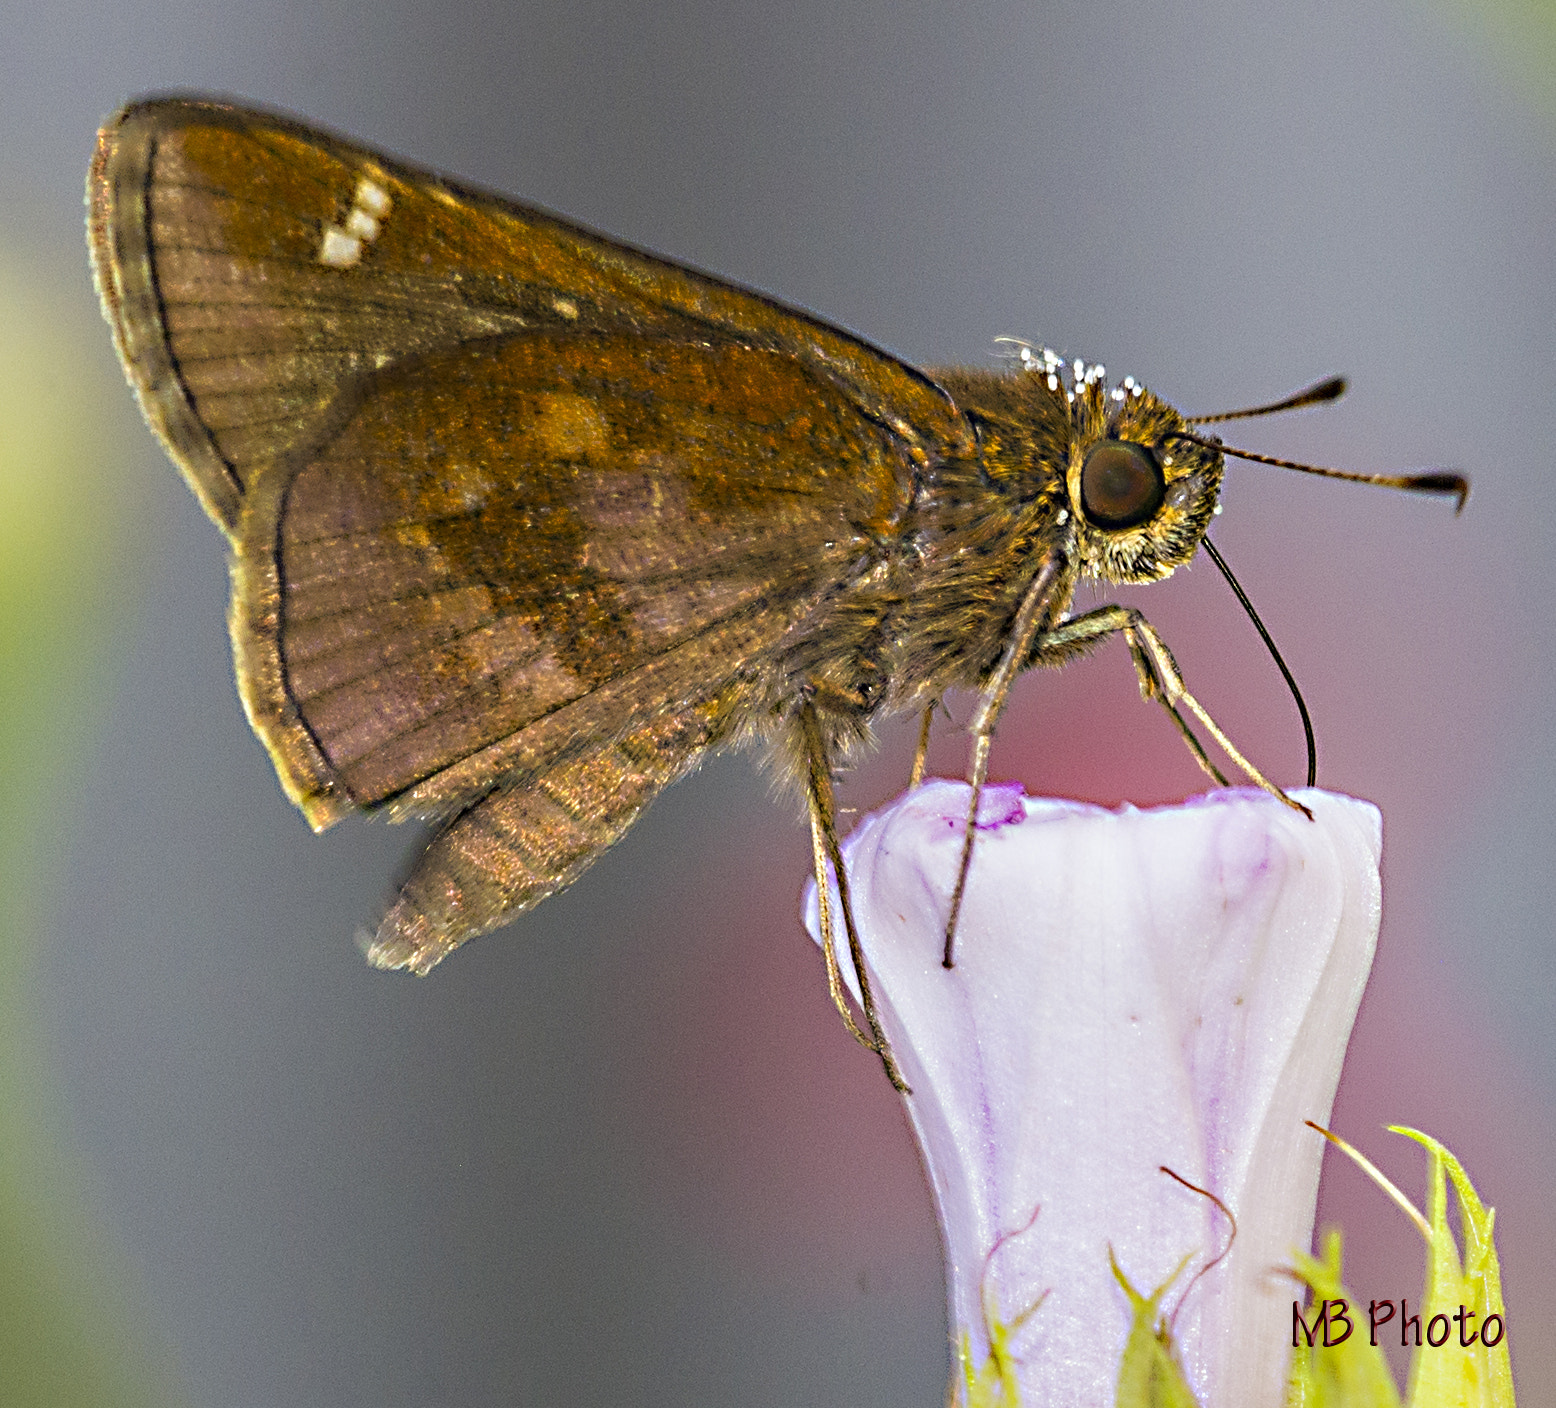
(1145, 1006)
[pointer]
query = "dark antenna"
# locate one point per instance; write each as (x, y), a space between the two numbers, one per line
(1331, 388)
(1269, 641)
(1436, 481)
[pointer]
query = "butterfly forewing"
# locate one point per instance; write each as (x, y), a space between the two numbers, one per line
(252, 266)
(208, 241)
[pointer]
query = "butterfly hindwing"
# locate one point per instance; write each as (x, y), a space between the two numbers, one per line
(532, 837)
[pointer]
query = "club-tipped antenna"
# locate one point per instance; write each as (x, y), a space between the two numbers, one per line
(1269, 643)
(1331, 388)
(1433, 481)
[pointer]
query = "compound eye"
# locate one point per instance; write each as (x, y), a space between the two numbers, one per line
(1121, 484)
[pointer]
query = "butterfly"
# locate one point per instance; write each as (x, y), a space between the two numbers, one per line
(523, 520)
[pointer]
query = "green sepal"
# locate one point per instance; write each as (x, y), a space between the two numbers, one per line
(1351, 1374)
(1453, 1376)
(1149, 1375)
(993, 1385)
(1354, 1374)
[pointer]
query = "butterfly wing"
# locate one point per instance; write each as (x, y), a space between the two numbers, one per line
(501, 555)
(522, 519)
(252, 267)
(535, 834)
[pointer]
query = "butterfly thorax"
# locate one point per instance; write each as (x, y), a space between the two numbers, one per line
(985, 525)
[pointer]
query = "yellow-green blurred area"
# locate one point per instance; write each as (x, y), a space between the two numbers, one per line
(73, 1328)
(1520, 38)
(624, 1153)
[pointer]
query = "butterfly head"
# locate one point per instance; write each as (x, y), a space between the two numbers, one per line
(1141, 497)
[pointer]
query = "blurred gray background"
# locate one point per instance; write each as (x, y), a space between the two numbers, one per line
(623, 1153)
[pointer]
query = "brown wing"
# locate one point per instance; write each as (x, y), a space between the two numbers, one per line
(520, 516)
(500, 557)
(253, 267)
(535, 835)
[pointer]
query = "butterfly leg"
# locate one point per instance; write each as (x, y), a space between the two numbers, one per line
(1023, 634)
(921, 753)
(1159, 679)
(825, 848)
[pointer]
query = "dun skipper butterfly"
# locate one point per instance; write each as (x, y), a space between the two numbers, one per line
(524, 520)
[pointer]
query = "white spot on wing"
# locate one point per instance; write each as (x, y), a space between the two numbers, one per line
(338, 249)
(361, 224)
(372, 199)
(341, 246)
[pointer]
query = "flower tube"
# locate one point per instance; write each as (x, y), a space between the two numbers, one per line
(1134, 991)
